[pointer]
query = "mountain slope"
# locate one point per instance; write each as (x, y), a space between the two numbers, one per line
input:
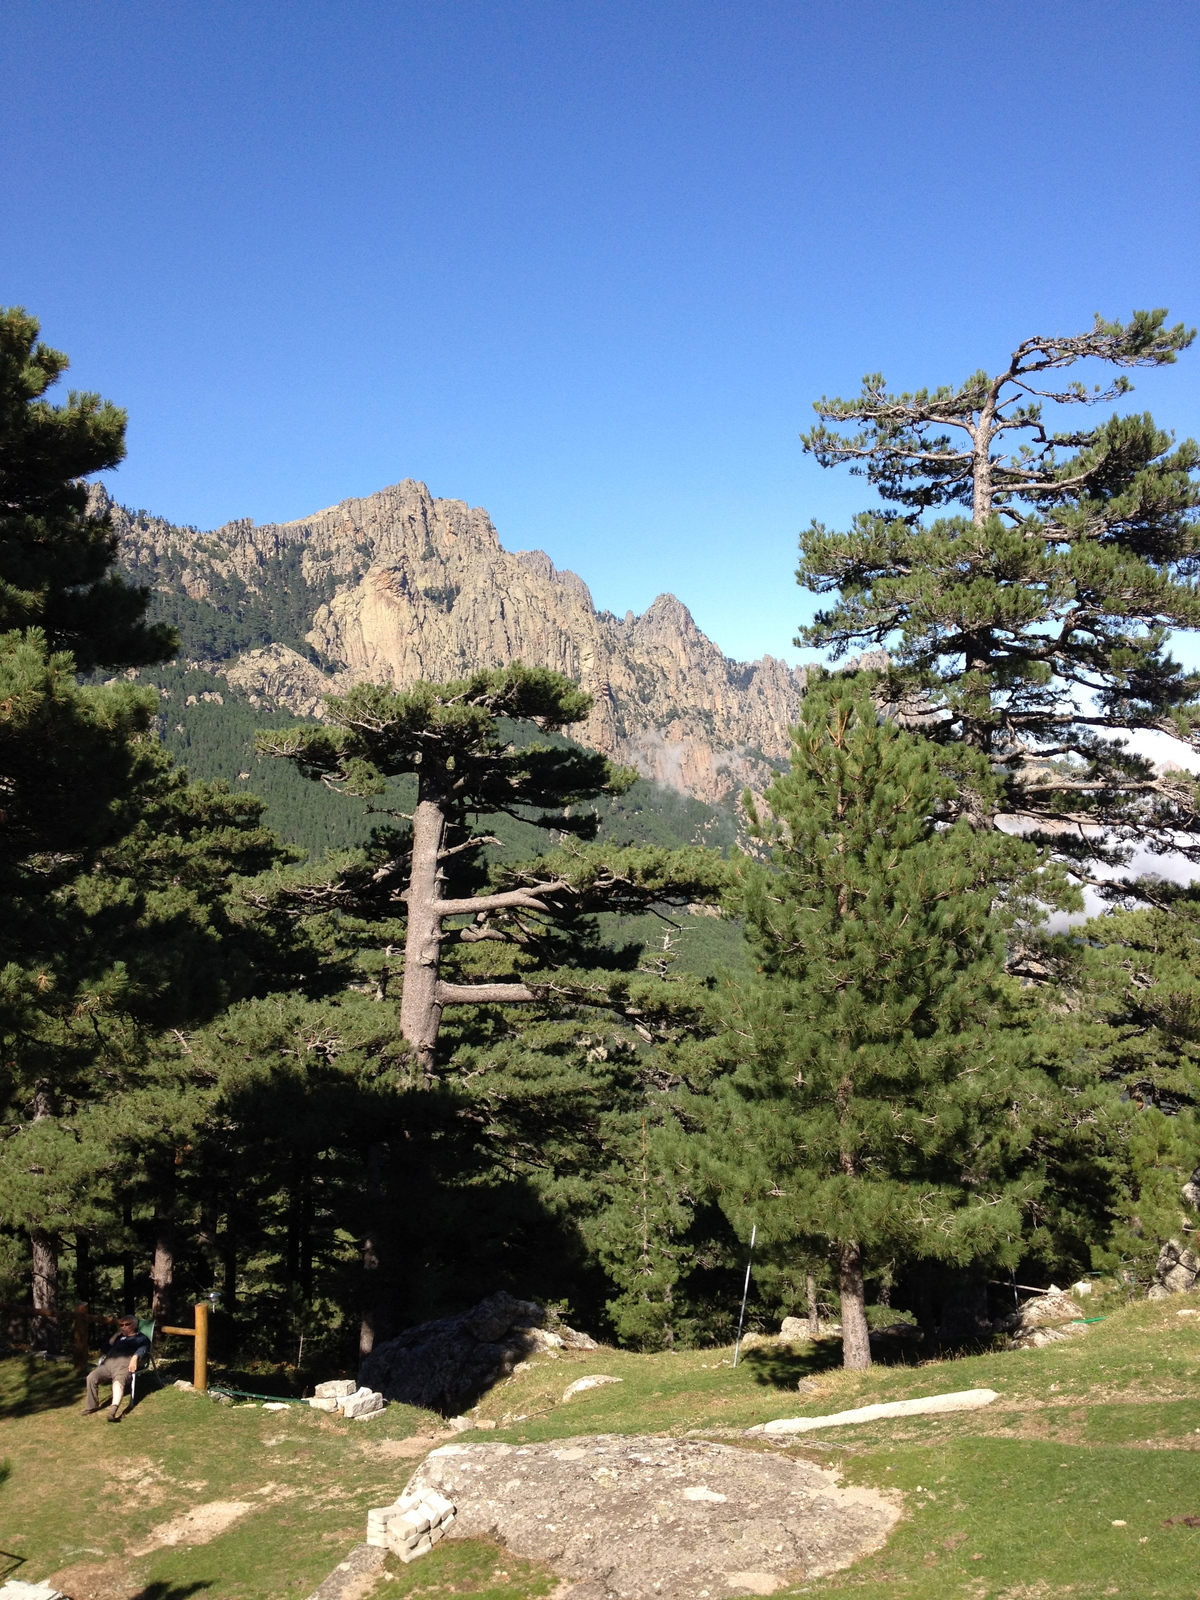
(400, 586)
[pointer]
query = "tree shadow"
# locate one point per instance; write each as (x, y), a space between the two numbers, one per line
(782, 1367)
(785, 1367)
(171, 1591)
(28, 1386)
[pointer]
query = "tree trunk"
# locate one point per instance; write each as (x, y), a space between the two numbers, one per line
(856, 1346)
(162, 1270)
(229, 1266)
(291, 1244)
(306, 1246)
(43, 1330)
(206, 1238)
(368, 1327)
(127, 1276)
(420, 1008)
(981, 465)
(83, 1266)
(814, 1314)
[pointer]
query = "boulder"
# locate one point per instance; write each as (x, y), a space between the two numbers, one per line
(1056, 1305)
(448, 1364)
(1036, 1338)
(798, 1330)
(895, 1335)
(1175, 1272)
(593, 1381)
(1191, 1191)
(795, 1328)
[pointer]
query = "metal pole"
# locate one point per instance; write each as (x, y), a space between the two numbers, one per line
(745, 1294)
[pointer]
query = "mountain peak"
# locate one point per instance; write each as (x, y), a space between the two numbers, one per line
(399, 585)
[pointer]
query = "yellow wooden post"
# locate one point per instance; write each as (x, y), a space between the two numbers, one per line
(200, 1368)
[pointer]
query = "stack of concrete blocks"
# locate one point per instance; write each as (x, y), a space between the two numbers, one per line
(413, 1525)
(362, 1403)
(329, 1396)
(343, 1396)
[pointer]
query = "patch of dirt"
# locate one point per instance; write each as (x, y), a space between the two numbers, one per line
(196, 1526)
(400, 1449)
(142, 1479)
(635, 1518)
(98, 1580)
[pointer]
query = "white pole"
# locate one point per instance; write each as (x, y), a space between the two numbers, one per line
(745, 1294)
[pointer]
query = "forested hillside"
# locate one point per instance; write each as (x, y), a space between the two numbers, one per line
(213, 736)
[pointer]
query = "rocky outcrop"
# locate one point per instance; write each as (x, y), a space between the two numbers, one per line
(276, 676)
(401, 586)
(451, 1362)
(1175, 1272)
(645, 1518)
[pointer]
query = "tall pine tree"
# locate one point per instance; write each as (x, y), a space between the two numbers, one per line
(877, 1103)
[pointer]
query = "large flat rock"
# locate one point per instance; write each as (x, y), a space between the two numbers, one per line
(628, 1518)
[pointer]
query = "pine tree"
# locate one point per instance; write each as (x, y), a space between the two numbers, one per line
(877, 1102)
(1129, 1031)
(452, 737)
(142, 933)
(1037, 626)
(55, 559)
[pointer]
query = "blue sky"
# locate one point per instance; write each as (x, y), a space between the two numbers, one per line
(585, 264)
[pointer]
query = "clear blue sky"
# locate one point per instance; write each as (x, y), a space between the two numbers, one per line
(585, 264)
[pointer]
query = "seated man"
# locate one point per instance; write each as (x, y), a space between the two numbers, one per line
(118, 1358)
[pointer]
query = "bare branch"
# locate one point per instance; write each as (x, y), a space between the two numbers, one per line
(532, 899)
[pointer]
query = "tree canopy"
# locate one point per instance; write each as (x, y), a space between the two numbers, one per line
(56, 560)
(1034, 628)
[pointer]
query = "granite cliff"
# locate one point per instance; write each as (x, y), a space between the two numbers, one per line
(400, 586)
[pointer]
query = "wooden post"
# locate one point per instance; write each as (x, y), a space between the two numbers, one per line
(80, 1339)
(200, 1367)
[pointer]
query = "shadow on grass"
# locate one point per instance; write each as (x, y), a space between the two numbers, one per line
(28, 1386)
(171, 1591)
(781, 1367)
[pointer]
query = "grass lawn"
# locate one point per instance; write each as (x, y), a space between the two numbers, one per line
(1081, 1481)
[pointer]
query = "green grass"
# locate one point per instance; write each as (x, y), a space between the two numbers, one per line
(1016, 1502)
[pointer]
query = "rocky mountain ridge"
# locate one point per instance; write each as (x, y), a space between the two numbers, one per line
(399, 586)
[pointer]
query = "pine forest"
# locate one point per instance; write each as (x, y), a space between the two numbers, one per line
(355, 1004)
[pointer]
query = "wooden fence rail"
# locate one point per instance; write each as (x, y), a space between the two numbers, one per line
(80, 1344)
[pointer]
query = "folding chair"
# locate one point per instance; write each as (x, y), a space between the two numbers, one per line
(146, 1326)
